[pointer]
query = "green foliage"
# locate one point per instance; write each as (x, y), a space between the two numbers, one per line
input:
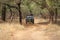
(33, 5)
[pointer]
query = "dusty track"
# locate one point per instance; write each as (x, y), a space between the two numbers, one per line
(37, 31)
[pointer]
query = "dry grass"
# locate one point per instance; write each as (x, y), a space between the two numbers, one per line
(15, 31)
(7, 30)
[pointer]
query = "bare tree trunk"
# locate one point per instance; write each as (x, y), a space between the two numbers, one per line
(56, 14)
(56, 10)
(4, 13)
(51, 16)
(20, 14)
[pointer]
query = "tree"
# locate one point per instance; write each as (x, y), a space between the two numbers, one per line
(54, 5)
(56, 10)
(42, 5)
(9, 7)
(20, 13)
(49, 6)
(18, 8)
(4, 13)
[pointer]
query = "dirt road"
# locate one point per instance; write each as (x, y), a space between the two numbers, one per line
(14, 31)
(38, 33)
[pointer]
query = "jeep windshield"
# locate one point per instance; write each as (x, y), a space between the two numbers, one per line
(29, 17)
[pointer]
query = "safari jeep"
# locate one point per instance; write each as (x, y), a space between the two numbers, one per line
(30, 18)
